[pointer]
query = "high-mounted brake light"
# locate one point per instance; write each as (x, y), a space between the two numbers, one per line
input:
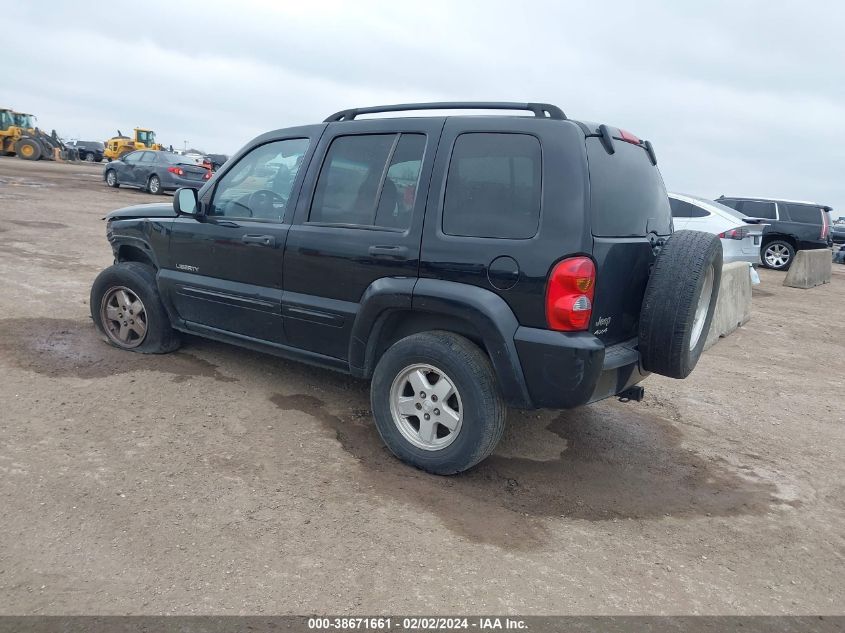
(569, 294)
(176, 170)
(626, 136)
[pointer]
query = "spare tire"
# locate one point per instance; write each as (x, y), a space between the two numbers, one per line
(679, 302)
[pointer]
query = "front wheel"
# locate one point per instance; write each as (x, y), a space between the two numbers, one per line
(128, 312)
(436, 402)
(778, 255)
(111, 179)
(28, 149)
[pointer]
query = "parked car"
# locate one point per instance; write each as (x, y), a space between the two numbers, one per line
(155, 172)
(793, 226)
(741, 236)
(91, 151)
(462, 263)
(216, 160)
(837, 233)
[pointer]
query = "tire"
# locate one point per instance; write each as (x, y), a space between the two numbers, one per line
(89, 157)
(116, 292)
(777, 254)
(154, 185)
(679, 302)
(28, 149)
(435, 356)
(111, 178)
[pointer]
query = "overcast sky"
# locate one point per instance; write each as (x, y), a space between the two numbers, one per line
(741, 98)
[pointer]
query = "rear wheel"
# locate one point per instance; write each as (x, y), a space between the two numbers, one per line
(778, 254)
(28, 149)
(128, 311)
(436, 402)
(154, 185)
(111, 178)
(89, 157)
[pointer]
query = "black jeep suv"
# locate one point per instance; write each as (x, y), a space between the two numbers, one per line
(792, 226)
(462, 263)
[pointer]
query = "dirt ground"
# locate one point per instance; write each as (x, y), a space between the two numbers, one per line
(216, 480)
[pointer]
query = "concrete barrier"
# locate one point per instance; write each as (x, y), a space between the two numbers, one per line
(809, 269)
(733, 305)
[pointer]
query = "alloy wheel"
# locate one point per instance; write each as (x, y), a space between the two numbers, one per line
(702, 307)
(777, 255)
(426, 407)
(124, 317)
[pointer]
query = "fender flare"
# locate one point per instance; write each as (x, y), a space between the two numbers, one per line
(487, 312)
(136, 243)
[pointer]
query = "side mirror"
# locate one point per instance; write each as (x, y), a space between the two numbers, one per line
(185, 201)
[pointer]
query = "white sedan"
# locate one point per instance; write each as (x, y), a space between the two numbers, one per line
(740, 235)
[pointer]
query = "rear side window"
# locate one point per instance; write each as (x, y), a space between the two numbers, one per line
(757, 209)
(804, 213)
(681, 209)
(627, 194)
(369, 180)
(493, 186)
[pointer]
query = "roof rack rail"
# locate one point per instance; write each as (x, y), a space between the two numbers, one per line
(540, 110)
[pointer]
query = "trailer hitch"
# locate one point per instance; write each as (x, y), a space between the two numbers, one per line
(635, 393)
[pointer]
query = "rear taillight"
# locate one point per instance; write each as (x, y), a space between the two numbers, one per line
(569, 294)
(739, 233)
(176, 170)
(825, 227)
(207, 176)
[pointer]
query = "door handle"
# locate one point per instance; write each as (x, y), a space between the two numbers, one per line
(260, 240)
(389, 252)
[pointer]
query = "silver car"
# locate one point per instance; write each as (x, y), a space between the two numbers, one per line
(740, 235)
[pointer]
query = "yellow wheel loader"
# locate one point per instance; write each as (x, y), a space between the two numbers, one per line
(20, 136)
(118, 146)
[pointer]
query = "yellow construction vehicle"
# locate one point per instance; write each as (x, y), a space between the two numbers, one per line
(19, 135)
(118, 146)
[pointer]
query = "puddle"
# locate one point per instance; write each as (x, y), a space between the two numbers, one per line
(615, 462)
(64, 348)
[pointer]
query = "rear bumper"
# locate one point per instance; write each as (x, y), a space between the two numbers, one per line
(567, 369)
(744, 250)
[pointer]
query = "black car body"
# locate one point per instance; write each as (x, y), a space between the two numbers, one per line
(532, 239)
(837, 233)
(155, 172)
(91, 151)
(792, 226)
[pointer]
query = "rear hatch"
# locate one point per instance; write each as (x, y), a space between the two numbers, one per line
(630, 214)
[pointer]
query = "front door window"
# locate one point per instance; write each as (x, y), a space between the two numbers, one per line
(259, 185)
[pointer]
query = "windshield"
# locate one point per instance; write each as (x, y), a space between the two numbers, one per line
(147, 137)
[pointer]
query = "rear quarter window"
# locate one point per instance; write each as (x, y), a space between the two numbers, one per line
(682, 209)
(493, 186)
(804, 213)
(627, 194)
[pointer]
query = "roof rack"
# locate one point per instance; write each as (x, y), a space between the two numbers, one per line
(540, 110)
